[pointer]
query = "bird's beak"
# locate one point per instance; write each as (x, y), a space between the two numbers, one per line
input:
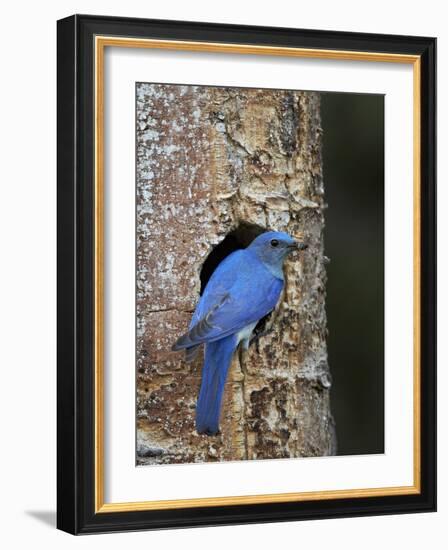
(296, 245)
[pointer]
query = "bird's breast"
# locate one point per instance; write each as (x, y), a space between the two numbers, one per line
(245, 333)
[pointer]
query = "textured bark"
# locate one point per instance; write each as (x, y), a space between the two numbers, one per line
(210, 161)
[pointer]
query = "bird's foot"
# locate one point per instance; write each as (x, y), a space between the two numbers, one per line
(256, 337)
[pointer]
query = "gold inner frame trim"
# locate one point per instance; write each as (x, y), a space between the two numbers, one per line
(101, 42)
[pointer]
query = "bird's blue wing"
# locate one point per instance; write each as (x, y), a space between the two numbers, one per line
(240, 292)
(219, 285)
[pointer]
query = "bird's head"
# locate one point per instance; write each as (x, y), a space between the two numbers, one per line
(273, 247)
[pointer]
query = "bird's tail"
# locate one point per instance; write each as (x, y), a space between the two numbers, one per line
(218, 357)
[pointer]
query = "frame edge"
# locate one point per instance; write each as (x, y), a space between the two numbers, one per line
(67, 517)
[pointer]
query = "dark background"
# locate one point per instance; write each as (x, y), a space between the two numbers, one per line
(353, 156)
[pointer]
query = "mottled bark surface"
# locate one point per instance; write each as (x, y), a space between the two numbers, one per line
(208, 161)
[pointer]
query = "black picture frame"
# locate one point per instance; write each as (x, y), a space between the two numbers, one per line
(76, 512)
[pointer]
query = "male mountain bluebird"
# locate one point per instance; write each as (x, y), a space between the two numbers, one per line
(244, 287)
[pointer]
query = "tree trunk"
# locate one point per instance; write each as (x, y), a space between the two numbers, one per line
(213, 162)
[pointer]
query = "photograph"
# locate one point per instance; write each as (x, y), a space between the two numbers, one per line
(246, 258)
(221, 256)
(259, 273)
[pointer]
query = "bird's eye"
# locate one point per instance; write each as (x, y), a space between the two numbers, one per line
(274, 243)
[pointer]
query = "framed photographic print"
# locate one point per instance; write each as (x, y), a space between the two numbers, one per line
(246, 274)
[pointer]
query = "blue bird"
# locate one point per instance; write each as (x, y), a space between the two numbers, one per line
(244, 288)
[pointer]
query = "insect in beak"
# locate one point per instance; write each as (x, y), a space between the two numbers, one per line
(298, 246)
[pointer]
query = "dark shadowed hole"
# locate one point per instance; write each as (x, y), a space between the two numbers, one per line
(239, 238)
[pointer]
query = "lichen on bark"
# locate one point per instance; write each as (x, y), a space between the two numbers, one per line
(211, 160)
